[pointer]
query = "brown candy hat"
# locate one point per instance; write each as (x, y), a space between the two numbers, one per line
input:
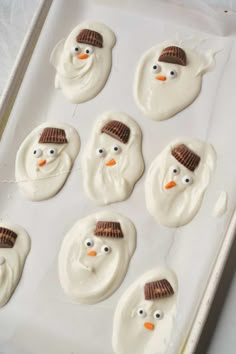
(7, 238)
(90, 37)
(174, 55)
(158, 289)
(186, 156)
(117, 130)
(110, 229)
(53, 135)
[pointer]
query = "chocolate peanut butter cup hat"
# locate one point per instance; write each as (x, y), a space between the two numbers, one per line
(117, 130)
(7, 238)
(90, 37)
(53, 135)
(174, 55)
(110, 229)
(186, 156)
(158, 290)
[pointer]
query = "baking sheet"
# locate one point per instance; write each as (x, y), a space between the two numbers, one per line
(39, 318)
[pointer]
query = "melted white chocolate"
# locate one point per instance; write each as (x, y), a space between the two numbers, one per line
(82, 79)
(108, 184)
(177, 206)
(42, 182)
(221, 205)
(12, 262)
(87, 273)
(130, 328)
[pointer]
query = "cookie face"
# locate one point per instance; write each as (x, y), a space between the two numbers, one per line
(168, 79)
(83, 61)
(95, 255)
(112, 161)
(45, 159)
(177, 180)
(14, 248)
(145, 314)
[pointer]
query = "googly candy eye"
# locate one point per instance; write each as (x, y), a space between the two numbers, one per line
(106, 249)
(88, 242)
(116, 149)
(100, 152)
(88, 50)
(75, 49)
(187, 180)
(172, 74)
(156, 68)
(175, 170)
(52, 152)
(141, 312)
(158, 315)
(37, 152)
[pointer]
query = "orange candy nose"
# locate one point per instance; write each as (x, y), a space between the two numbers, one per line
(171, 184)
(112, 162)
(161, 77)
(150, 326)
(92, 253)
(42, 162)
(83, 56)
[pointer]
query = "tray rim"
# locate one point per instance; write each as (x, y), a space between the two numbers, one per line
(7, 101)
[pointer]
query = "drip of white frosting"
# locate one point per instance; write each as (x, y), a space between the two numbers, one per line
(90, 279)
(12, 262)
(220, 207)
(129, 332)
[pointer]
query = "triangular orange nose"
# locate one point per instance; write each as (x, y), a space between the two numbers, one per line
(150, 326)
(170, 184)
(111, 162)
(42, 162)
(161, 77)
(83, 56)
(92, 253)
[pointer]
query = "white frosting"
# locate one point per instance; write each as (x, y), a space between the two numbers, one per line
(82, 79)
(220, 207)
(107, 184)
(42, 182)
(177, 206)
(12, 262)
(159, 99)
(129, 332)
(90, 279)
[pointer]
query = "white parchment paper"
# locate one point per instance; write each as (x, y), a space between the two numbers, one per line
(39, 318)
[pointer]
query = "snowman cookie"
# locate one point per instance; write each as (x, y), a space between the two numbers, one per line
(168, 79)
(95, 256)
(14, 248)
(45, 159)
(112, 161)
(177, 180)
(145, 314)
(83, 61)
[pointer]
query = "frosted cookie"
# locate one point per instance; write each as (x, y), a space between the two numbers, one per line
(45, 159)
(95, 256)
(177, 180)
(112, 161)
(14, 248)
(83, 61)
(145, 314)
(168, 79)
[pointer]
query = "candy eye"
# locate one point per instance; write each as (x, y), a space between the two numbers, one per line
(156, 68)
(88, 242)
(187, 180)
(175, 170)
(158, 314)
(116, 149)
(75, 50)
(141, 312)
(100, 152)
(52, 152)
(172, 74)
(88, 50)
(106, 249)
(37, 152)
